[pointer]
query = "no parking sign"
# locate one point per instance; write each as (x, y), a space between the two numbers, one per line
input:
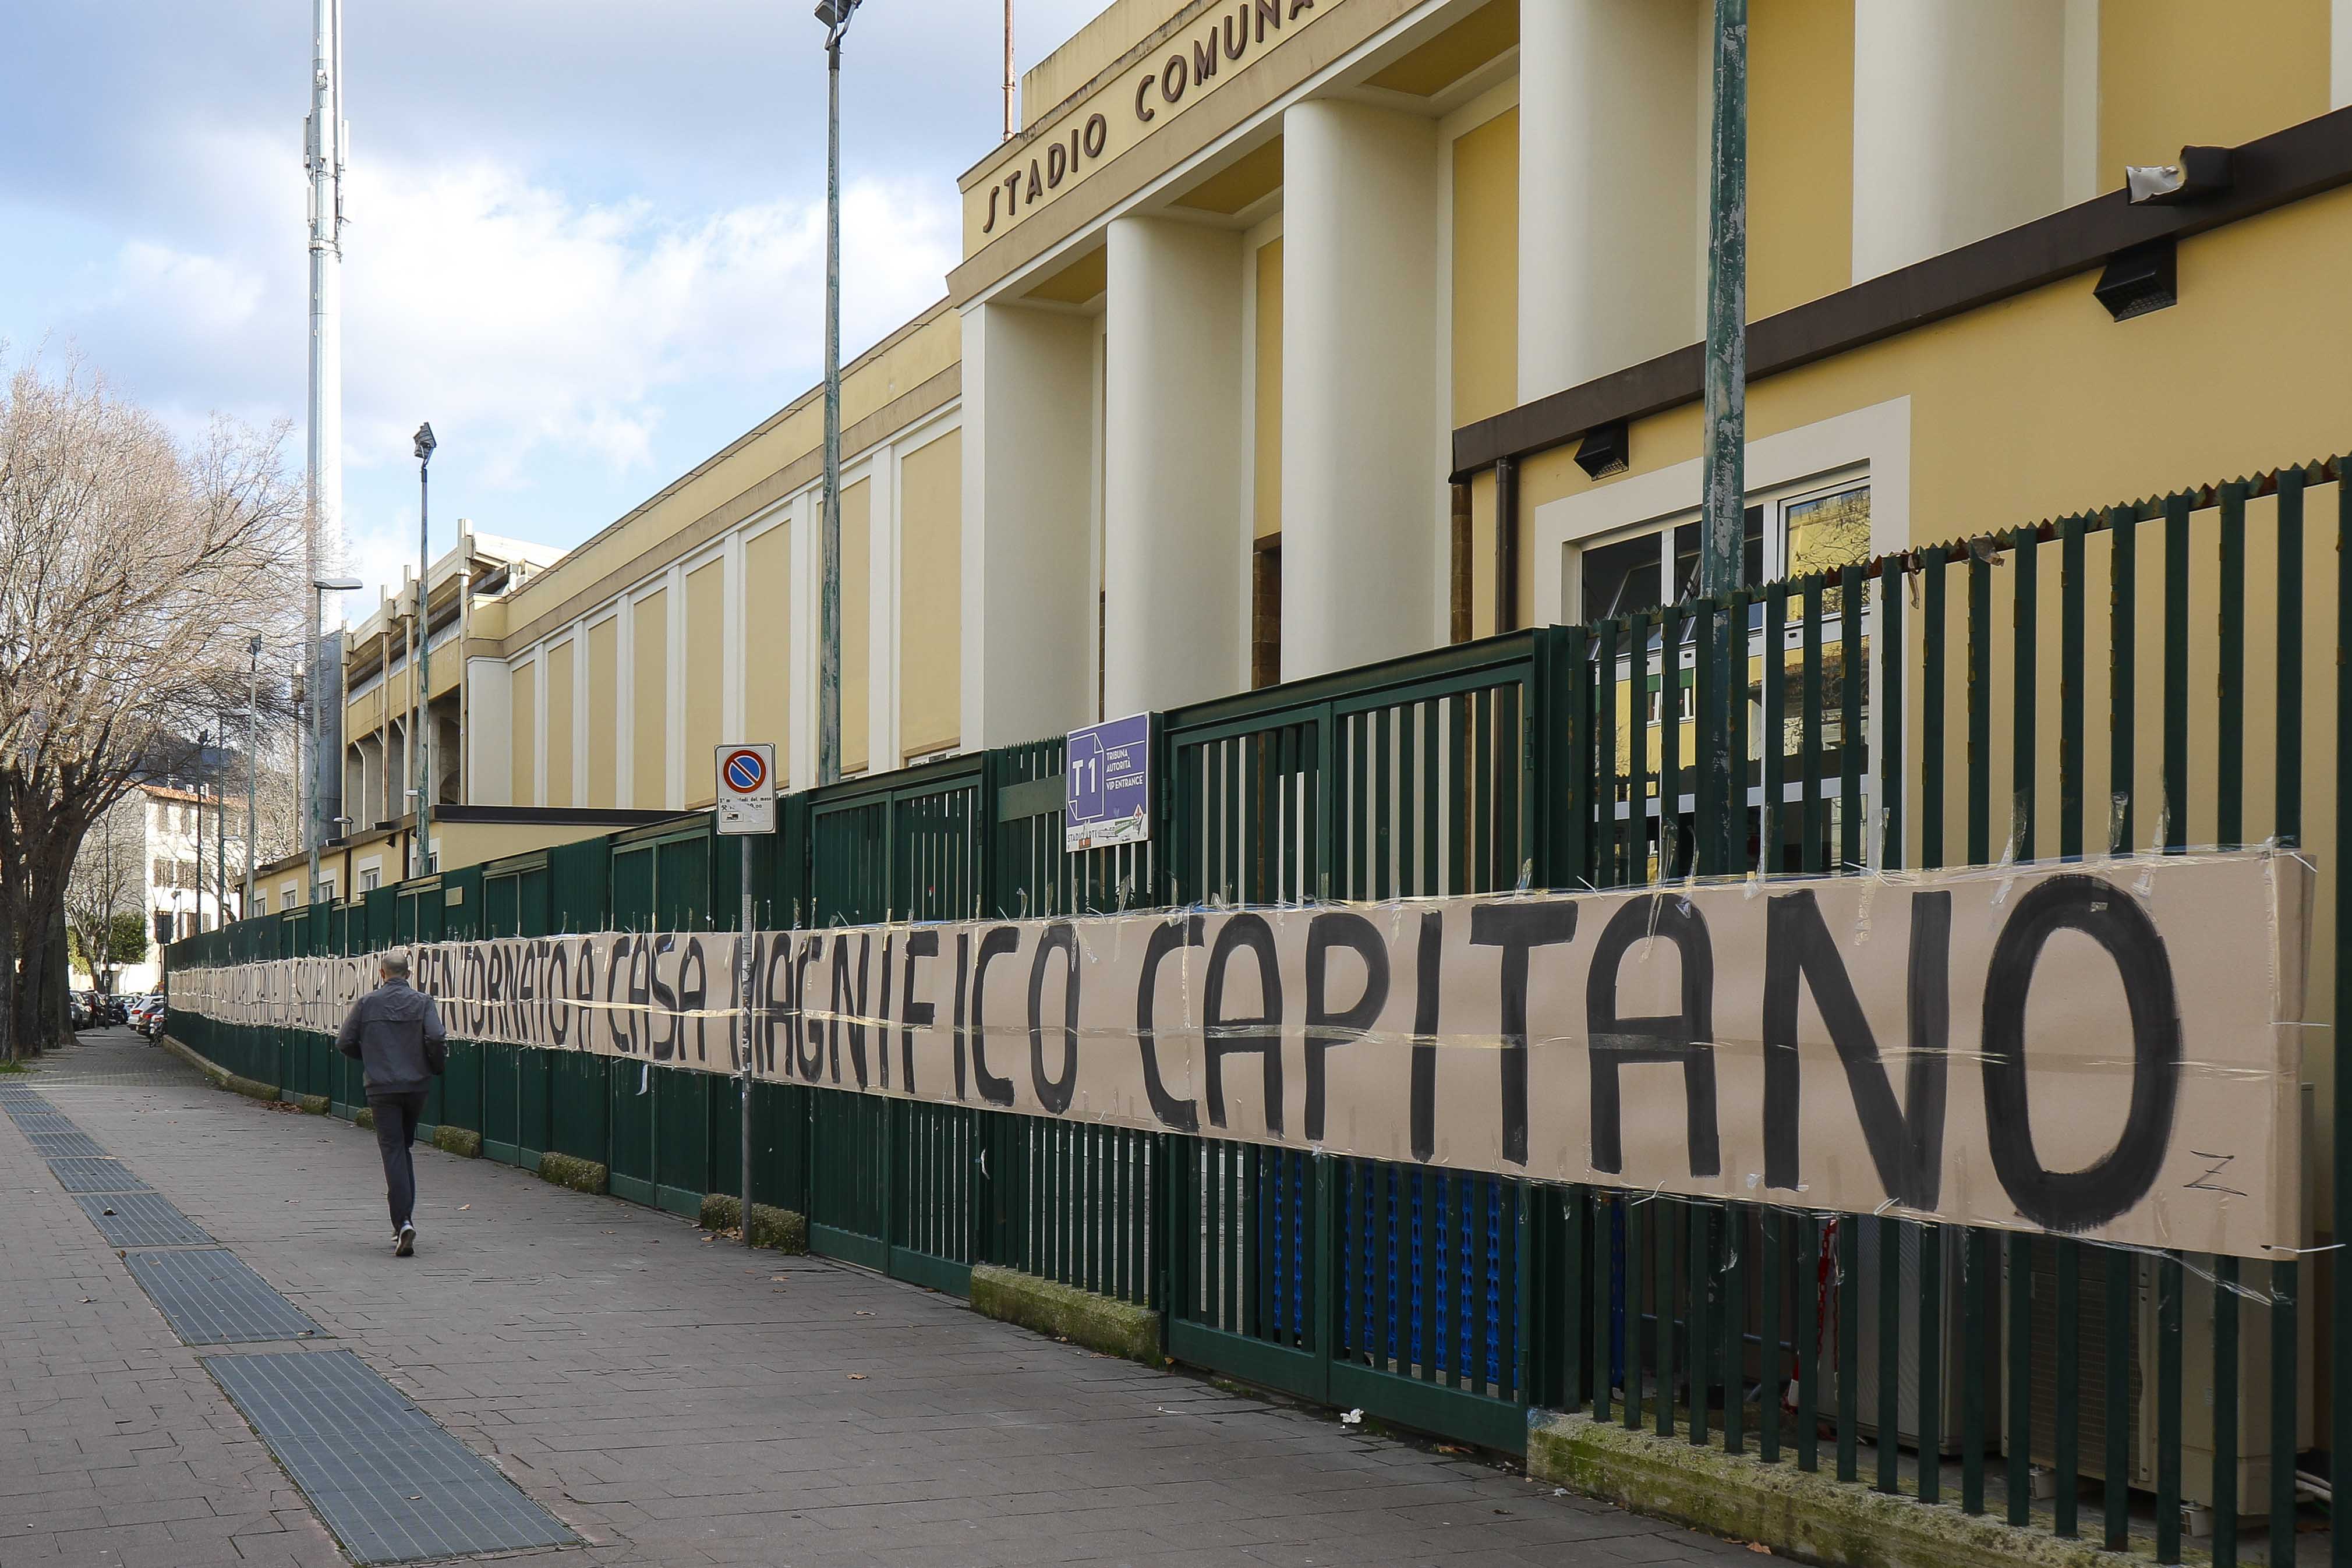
(747, 788)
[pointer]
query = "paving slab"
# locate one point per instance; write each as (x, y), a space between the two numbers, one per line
(669, 1399)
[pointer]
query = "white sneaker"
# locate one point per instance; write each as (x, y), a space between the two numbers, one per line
(405, 1244)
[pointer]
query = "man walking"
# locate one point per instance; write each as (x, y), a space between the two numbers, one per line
(396, 1032)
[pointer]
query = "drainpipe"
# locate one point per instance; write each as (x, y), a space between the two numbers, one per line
(1506, 545)
(1458, 573)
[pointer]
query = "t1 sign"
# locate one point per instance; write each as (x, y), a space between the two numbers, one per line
(1107, 785)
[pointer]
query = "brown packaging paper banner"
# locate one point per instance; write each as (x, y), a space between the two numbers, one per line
(2107, 1049)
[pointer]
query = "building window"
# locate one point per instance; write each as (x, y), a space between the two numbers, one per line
(369, 880)
(1796, 531)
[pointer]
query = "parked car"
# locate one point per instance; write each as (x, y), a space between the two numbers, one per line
(154, 1026)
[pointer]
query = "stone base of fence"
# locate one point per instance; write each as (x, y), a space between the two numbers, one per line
(1099, 1323)
(460, 1141)
(568, 1170)
(1812, 1517)
(778, 1229)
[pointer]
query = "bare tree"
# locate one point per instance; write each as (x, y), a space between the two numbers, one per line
(134, 572)
(110, 880)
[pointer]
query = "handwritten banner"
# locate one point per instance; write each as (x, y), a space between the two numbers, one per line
(2110, 1049)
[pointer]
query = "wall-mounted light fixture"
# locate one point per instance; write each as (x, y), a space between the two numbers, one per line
(2139, 280)
(1606, 449)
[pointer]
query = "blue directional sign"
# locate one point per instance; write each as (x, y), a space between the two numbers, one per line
(1107, 785)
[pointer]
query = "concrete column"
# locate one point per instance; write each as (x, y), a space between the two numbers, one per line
(1611, 184)
(490, 695)
(1363, 503)
(1028, 377)
(1172, 528)
(1960, 124)
(2339, 54)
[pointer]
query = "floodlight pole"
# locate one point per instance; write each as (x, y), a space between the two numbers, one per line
(324, 149)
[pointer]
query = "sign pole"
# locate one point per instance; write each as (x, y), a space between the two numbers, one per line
(746, 805)
(743, 990)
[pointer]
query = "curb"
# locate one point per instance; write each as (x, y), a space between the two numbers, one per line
(220, 1077)
(217, 1076)
(778, 1228)
(1099, 1323)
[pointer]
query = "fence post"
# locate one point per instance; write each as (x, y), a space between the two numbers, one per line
(1324, 1277)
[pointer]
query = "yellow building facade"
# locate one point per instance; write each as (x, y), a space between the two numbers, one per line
(692, 621)
(1282, 326)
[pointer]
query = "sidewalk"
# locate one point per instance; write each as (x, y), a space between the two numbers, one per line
(671, 1400)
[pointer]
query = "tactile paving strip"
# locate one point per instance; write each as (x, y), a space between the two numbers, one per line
(70, 1145)
(210, 1297)
(97, 1176)
(391, 1484)
(139, 1220)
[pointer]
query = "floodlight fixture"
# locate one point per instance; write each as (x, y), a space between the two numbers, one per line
(2137, 281)
(1605, 450)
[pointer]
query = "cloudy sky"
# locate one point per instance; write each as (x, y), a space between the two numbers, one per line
(587, 238)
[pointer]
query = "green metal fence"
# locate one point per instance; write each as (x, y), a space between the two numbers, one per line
(2151, 676)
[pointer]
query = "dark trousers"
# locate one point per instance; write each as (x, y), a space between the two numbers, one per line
(395, 1129)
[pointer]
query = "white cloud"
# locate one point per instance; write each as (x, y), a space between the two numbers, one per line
(531, 328)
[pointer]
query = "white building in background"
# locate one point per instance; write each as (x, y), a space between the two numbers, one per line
(163, 847)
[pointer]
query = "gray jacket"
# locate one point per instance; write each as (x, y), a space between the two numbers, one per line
(396, 1031)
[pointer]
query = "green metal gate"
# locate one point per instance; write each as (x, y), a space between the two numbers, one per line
(890, 1184)
(1396, 1289)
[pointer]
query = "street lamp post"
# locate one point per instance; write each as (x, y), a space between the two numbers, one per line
(320, 588)
(252, 761)
(836, 15)
(420, 727)
(220, 831)
(203, 743)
